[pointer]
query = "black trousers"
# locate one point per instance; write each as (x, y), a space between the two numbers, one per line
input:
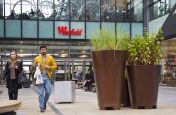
(13, 90)
(88, 85)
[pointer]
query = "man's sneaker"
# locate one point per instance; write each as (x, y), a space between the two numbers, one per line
(42, 110)
(44, 106)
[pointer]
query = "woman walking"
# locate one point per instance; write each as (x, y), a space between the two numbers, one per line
(12, 69)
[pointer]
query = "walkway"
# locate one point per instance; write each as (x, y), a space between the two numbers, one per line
(86, 104)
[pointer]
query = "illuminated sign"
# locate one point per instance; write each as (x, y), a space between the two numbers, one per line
(65, 31)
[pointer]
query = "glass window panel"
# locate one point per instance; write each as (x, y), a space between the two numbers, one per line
(13, 28)
(79, 29)
(123, 27)
(171, 3)
(92, 27)
(12, 9)
(58, 33)
(46, 29)
(108, 10)
(29, 29)
(27, 10)
(137, 10)
(45, 9)
(7, 10)
(121, 10)
(92, 10)
(77, 9)
(1, 28)
(1, 8)
(61, 9)
(108, 26)
(137, 29)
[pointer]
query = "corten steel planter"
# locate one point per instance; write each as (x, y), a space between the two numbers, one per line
(143, 85)
(125, 94)
(109, 68)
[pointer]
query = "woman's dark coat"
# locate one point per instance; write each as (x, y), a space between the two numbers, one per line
(17, 71)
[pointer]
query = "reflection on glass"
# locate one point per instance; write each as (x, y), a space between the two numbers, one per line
(161, 8)
(12, 9)
(93, 10)
(29, 9)
(136, 10)
(76, 9)
(121, 11)
(61, 11)
(45, 9)
(1, 8)
(108, 10)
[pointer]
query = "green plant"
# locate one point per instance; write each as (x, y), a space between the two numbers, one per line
(106, 40)
(144, 50)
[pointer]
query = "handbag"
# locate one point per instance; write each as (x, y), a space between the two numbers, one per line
(22, 78)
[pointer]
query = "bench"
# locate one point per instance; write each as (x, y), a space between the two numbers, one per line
(9, 105)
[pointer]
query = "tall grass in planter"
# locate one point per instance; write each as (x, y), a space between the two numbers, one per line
(109, 59)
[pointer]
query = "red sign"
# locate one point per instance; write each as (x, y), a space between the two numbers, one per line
(63, 30)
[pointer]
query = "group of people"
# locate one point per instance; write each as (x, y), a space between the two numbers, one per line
(14, 67)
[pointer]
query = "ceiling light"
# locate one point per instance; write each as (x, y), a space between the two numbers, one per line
(64, 55)
(83, 56)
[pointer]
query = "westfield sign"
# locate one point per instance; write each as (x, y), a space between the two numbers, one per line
(65, 31)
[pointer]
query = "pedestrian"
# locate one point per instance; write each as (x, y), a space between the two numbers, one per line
(89, 79)
(47, 66)
(12, 68)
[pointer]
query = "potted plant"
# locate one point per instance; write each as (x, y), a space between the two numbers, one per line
(109, 59)
(144, 71)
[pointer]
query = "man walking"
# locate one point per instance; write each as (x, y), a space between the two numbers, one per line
(47, 65)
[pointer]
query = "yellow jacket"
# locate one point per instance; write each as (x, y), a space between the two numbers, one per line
(49, 61)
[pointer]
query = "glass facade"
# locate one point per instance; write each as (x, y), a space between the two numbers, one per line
(160, 8)
(67, 19)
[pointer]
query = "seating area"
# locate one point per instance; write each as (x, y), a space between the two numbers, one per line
(80, 85)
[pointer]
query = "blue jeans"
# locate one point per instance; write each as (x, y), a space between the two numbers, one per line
(44, 91)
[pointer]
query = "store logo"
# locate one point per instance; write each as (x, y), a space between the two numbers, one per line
(65, 31)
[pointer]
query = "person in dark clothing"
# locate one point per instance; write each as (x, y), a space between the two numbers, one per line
(89, 80)
(12, 69)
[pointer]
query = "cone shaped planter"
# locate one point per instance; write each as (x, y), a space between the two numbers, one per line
(143, 83)
(109, 68)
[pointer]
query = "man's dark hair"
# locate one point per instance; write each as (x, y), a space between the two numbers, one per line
(43, 47)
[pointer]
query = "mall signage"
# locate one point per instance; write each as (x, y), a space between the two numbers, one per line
(66, 31)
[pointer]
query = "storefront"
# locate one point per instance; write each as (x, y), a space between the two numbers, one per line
(43, 19)
(164, 17)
